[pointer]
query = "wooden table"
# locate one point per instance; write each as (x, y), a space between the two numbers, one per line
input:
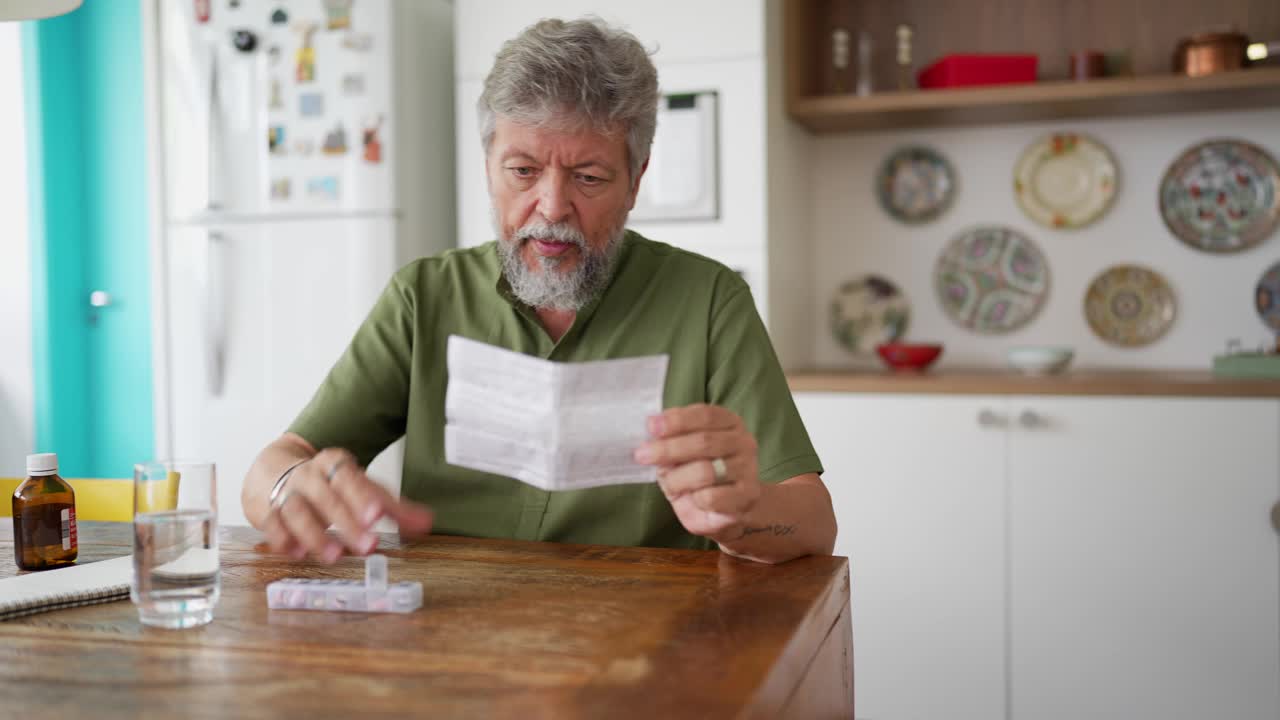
(507, 629)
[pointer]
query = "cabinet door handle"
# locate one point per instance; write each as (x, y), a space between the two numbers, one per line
(1275, 516)
(1030, 419)
(215, 313)
(989, 418)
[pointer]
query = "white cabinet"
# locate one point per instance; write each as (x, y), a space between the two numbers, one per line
(1143, 566)
(918, 487)
(679, 31)
(1047, 557)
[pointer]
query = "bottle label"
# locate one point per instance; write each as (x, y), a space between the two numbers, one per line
(68, 528)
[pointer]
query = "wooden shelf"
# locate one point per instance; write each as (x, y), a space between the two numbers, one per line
(1146, 32)
(1252, 88)
(1142, 383)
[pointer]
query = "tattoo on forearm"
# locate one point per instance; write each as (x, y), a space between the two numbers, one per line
(777, 530)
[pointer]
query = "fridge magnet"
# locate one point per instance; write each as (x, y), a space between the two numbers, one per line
(307, 56)
(275, 139)
(280, 188)
(991, 279)
(866, 312)
(372, 145)
(335, 141)
(202, 10)
(1130, 306)
(311, 104)
(353, 84)
(339, 12)
(280, 17)
(1222, 196)
(1065, 180)
(303, 147)
(276, 102)
(360, 42)
(323, 187)
(246, 41)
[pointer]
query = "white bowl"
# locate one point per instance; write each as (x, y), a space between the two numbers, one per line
(1040, 360)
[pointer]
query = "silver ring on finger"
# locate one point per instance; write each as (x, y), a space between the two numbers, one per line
(721, 472)
(280, 499)
(333, 470)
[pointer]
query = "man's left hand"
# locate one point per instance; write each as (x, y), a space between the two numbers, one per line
(689, 445)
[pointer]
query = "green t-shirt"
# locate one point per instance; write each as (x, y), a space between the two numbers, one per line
(391, 381)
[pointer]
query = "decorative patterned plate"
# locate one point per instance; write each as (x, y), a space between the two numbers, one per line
(1065, 180)
(1268, 297)
(1129, 305)
(868, 311)
(1221, 196)
(992, 279)
(916, 184)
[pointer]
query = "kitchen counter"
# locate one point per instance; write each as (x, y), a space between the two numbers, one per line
(1180, 383)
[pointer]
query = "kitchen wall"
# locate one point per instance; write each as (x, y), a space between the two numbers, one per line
(16, 397)
(852, 235)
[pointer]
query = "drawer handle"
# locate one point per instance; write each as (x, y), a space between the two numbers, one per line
(1275, 516)
(989, 418)
(1030, 419)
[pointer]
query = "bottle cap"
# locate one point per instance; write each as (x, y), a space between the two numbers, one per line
(42, 464)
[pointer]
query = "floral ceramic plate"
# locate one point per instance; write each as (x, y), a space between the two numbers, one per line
(1065, 180)
(1129, 305)
(916, 184)
(1221, 196)
(1267, 297)
(992, 279)
(868, 311)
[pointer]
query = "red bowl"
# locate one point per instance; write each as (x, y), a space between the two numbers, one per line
(909, 356)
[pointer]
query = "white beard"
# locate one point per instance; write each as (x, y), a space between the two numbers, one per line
(548, 287)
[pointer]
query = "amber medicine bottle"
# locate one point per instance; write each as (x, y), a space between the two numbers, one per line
(44, 517)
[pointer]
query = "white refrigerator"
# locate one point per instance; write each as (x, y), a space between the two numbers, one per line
(307, 154)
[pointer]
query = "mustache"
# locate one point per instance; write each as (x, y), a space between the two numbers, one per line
(559, 232)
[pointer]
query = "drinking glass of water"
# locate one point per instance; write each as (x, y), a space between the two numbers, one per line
(176, 576)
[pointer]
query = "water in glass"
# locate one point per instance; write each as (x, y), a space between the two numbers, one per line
(176, 569)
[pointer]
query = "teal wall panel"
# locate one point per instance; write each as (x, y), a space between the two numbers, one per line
(51, 67)
(93, 370)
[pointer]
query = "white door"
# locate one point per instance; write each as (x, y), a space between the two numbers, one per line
(258, 315)
(1144, 569)
(918, 488)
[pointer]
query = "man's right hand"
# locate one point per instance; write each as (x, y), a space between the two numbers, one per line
(332, 489)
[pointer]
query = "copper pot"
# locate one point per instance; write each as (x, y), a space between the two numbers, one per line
(1209, 53)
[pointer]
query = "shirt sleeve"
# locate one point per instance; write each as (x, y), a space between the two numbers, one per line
(744, 375)
(362, 405)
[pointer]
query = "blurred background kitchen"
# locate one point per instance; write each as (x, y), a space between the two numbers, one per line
(1059, 216)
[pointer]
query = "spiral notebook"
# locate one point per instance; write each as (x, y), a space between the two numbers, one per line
(68, 587)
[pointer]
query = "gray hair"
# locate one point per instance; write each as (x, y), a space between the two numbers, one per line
(581, 72)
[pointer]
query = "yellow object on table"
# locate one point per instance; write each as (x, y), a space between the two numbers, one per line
(159, 494)
(96, 498)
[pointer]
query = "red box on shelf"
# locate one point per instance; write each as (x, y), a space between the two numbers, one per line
(966, 70)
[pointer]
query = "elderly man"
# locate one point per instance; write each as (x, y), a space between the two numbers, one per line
(567, 117)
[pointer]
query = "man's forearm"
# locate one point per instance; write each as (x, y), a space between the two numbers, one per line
(791, 519)
(266, 469)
